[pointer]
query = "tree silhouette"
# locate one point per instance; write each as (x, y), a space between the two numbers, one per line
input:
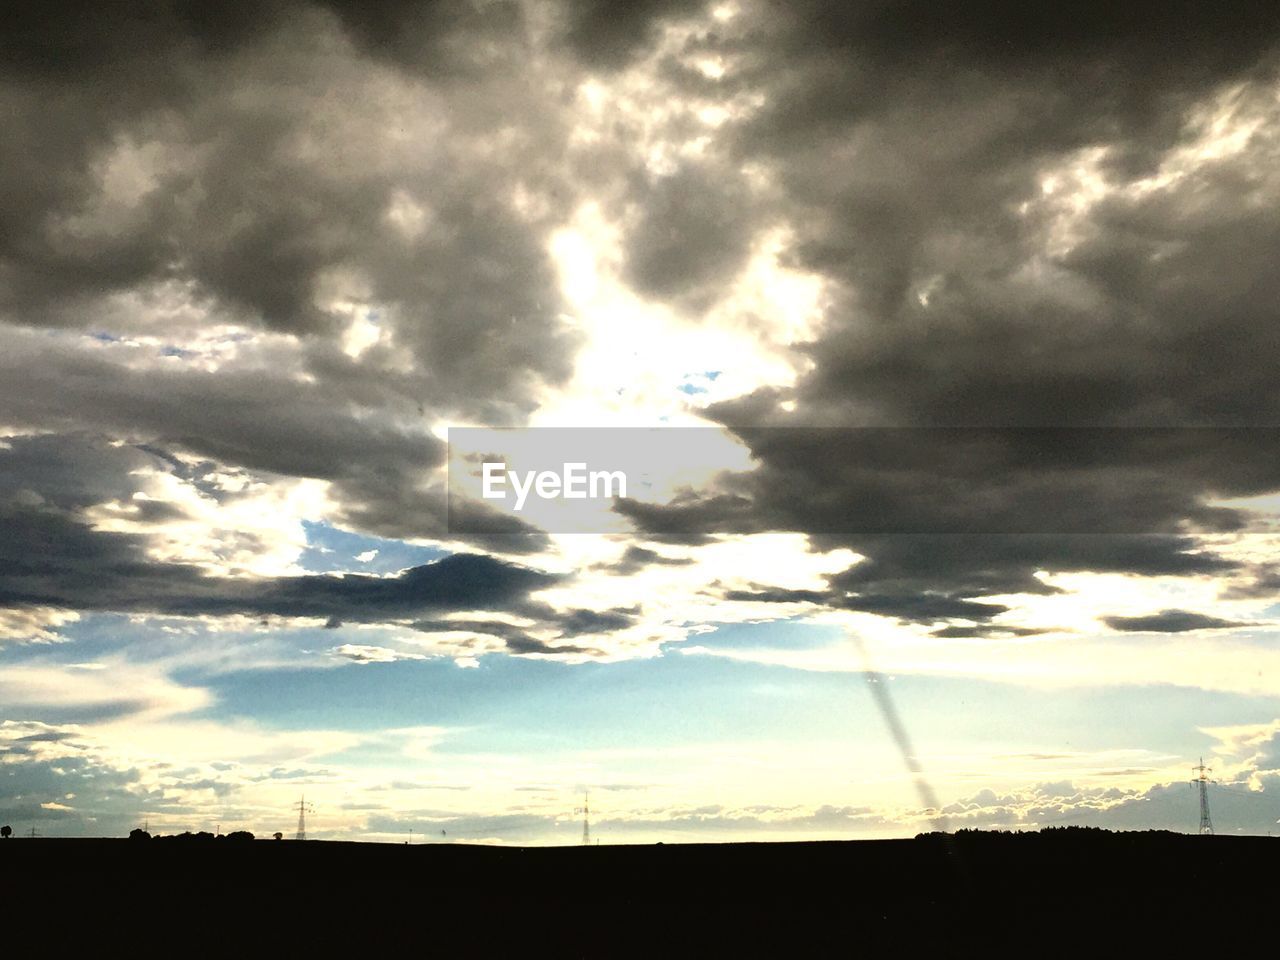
(6, 831)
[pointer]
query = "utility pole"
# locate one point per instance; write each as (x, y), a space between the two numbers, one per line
(1202, 780)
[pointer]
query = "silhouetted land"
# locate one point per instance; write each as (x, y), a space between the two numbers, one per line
(673, 898)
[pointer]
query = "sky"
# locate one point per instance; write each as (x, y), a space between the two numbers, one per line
(973, 308)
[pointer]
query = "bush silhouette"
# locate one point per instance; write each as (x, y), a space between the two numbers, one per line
(6, 831)
(137, 833)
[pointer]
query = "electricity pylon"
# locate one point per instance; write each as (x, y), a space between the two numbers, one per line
(585, 810)
(1202, 779)
(303, 809)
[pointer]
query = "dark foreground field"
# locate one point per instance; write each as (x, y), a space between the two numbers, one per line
(708, 899)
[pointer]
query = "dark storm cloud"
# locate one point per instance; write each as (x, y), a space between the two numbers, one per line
(494, 628)
(1159, 45)
(911, 606)
(694, 231)
(607, 35)
(171, 167)
(931, 578)
(47, 737)
(987, 564)
(944, 517)
(383, 471)
(533, 646)
(50, 560)
(962, 480)
(68, 472)
(635, 558)
(922, 608)
(75, 74)
(1171, 621)
(257, 419)
(518, 639)
(904, 136)
(576, 623)
(908, 135)
(236, 138)
(1264, 582)
(926, 579)
(435, 37)
(909, 143)
(776, 595)
(992, 631)
(1023, 81)
(258, 163)
(75, 39)
(49, 556)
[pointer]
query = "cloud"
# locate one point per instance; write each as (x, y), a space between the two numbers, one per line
(532, 645)
(57, 779)
(364, 653)
(1159, 806)
(200, 226)
(543, 631)
(695, 229)
(604, 35)
(1171, 621)
(120, 690)
(576, 623)
(930, 578)
(56, 559)
(78, 568)
(252, 262)
(673, 822)
(988, 630)
(163, 170)
(942, 518)
(635, 558)
(1006, 239)
(232, 198)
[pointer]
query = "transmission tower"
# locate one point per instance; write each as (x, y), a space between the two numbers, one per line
(303, 809)
(585, 810)
(1202, 780)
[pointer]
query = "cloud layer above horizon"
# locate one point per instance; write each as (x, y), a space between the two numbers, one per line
(256, 260)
